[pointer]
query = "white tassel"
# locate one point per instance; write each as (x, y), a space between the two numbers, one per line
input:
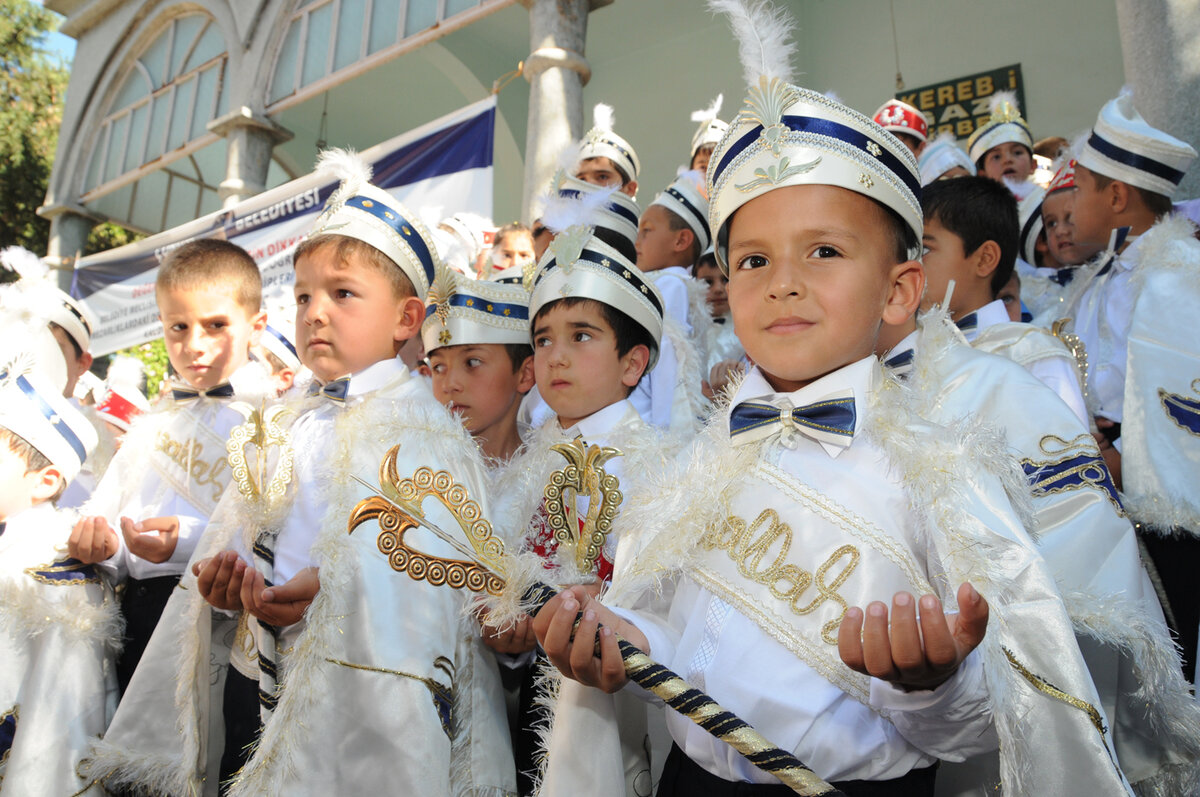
(1001, 97)
(603, 117)
(348, 167)
(764, 38)
(705, 115)
(559, 213)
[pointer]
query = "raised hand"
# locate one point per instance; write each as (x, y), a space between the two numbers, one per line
(283, 604)
(219, 580)
(152, 539)
(92, 540)
(913, 653)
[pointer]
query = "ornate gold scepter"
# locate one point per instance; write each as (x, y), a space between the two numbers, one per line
(397, 507)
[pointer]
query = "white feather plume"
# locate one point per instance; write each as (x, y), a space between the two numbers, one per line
(1001, 97)
(26, 264)
(568, 158)
(125, 373)
(559, 212)
(943, 138)
(710, 113)
(764, 38)
(1021, 189)
(348, 167)
(603, 117)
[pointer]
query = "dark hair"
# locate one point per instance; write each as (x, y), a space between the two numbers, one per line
(1050, 147)
(628, 332)
(34, 459)
(675, 222)
(344, 247)
(620, 172)
(209, 262)
(709, 258)
(509, 229)
(977, 210)
(74, 343)
(1158, 204)
(518, 353)
(618, 241)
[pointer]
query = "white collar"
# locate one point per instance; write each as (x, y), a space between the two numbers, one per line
(907, 343)
(375, 376)
(989, 315)
(601, 422)
(860, 377)
(674, 271)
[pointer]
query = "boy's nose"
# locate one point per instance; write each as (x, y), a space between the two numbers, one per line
(784, 281)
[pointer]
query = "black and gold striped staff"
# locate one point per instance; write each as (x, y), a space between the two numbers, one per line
(396, 506)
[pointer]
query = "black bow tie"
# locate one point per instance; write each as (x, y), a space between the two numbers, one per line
(335, 390)
(183, 393)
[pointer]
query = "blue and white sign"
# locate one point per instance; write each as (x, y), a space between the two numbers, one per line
(436, 170)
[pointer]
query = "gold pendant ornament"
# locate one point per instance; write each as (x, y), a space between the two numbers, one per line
(261, 430)
(583, 477)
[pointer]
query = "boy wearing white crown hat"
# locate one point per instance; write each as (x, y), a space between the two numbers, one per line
(605, 158)
(943, 159)
(59, 625)
(823, 491)
(1134, 309)
(344, 646)
(707, 135)
(1002, 147)
(905, 123)
(596, 324)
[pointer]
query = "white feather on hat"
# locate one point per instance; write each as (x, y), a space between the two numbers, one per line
(706, 115)
(764, 38)
(348, 167)
(603, 117)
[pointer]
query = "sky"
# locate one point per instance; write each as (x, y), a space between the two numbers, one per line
(58, 44)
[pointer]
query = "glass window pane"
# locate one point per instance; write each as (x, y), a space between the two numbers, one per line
(137, 137)
(115, 205)
(112, 164)
(184, 92)
(206, 83)
(421, 15)
(155, 58)
(132, 90)
(186, 31)
(158, 126)
(181, 203)
(210, 202)
(385, 18)
(283, 82)
(209, 47)
(97, 161)
(457, 6)
(351, 20)
(276, 174)
(316, 45)
(211, 162)
(149, 201)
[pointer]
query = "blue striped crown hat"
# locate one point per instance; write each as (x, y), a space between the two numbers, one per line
(711, 128)
(1003, 126)
(618, 214)
(462, 311)
(579, 265)
(940, 156)
(1124, 147)
(786, 135)
(603, 142)
(279, 337)
(32, 408)
(358, 209)
(686, 199)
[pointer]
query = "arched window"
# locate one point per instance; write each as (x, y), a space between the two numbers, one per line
(159, 114)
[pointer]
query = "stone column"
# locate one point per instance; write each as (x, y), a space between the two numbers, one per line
(1160, 43)
(69, 228)
(249, 140)
(557, 72)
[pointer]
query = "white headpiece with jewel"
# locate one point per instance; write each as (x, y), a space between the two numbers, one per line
(1003, 126)
(786, 135)
(603, 142)
(360, 210)
(33, 408)
(36, 294)
(1125, 147)
(711, 128)
(461, 311)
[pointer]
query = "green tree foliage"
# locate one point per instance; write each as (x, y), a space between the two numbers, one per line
(33, 84)
(154, 357)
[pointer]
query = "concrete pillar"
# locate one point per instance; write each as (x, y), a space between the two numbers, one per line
(1160, 44)
(69, 229)
(249, 140)
(557, 71)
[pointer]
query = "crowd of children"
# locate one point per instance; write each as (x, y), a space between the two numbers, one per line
(888, 446)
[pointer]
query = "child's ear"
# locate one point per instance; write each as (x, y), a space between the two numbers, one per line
(987, 258)
(525, 377)
(1118, 196)
(285, 379)
(634, 364)
(258, 323)
(48, 480)
(630, 188)
(683, 240)
(409, 317)
(908, 286)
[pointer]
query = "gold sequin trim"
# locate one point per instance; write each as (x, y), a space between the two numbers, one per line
(1050, 690)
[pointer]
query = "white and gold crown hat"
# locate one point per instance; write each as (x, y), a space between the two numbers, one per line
(940, 156)
(686, 198)
(786, 135)
(602, 142)
(1125, 147)
(33, 407)
(1004, 125)
(360, 210)
(462, 311)
(43, 297)
(619, 214)
(579, 265)
(279, 337)
(711, 129)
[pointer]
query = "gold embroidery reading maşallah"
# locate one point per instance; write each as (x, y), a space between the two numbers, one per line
(760, 552)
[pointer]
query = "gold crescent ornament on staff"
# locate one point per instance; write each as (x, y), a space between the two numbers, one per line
(397, 506)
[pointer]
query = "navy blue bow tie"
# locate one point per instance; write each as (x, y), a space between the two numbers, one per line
(183, 393)
(335, 390)
(829, 420)
(901, 362)
(967, 323)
